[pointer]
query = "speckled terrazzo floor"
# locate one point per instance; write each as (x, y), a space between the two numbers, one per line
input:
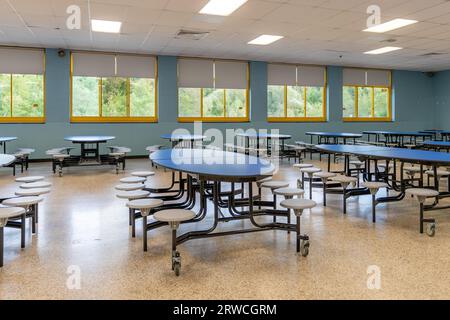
(83, 224)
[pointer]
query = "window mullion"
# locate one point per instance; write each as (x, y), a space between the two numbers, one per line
(224, 103)
(356, 90)
(373, 103)
(201, 103)
(305, 91)
(11, 97)
(285, 100)
(128, 101)
(100, 97)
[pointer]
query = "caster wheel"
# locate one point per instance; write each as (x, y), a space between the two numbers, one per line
(60, 174)
(177, 269)
(304, 248)
(431, 229)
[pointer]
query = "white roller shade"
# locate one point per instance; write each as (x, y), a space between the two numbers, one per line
(380, 78)
(354, 77)
(130, 66)
(21, 61)
(94, 64)
(231, 75)
(195, 73)
(282, 74)
(311, 76)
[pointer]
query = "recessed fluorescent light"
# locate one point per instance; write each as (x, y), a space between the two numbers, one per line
(222, 7)
(265, 39)
(390, 25)
(106, 26)
(383, 50)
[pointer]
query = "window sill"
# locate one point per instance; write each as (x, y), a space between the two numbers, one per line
(113, 120)
(367, 120)
(19, 120)
(213, 120)
(312, 119)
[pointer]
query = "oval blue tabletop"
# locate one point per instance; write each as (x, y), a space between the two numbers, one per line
(213, 164)
(89, 139)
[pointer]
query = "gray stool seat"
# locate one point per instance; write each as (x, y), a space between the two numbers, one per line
(289, 192)
(174, 215)
(9, 212)
(303, 165)
(143, 174)
(61, 156)
(116, 149)
(298, 204)
(132, 195)
(26, 151)
(325, 175)
(36, 185)
(260, 182)
(375, 186)
(32, 192)
(310, 170)
(344, 179)
(130, 187)
(30, 179)
(275, 184)
(154, 148)
(117, 155)
(440, 173)
(144, 203)
(133, 180)
(356, 163)
(422, 193)
(412, 169)
(23, 202)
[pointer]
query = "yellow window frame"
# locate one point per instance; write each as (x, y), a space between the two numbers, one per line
(12, 119)
(102, 119)
(203, 118)
(286, 118)
(372, 118)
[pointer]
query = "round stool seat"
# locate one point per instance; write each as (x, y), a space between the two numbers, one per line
(143, 174)
(412, 169)
(357, 163)
(154, 148)
(145, 203)
(133, 195)
(421, 192)
(130, 187)
(440, 173)
(133, 180)
(325, 175)
(26, 151)
(117, 154)
(375, 186)
(61, 156)
(409, 146)
(6, 213)
(32, 192)
(298, 204)
(36, 185)
(311, 170)
(275, 184)
(344, 179)
(303, 165)
(30, 179)
(260, 182)
(22, 201)
(290, 192)
(174, 215)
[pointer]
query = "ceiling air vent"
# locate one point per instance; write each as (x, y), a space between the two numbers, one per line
(191, 34)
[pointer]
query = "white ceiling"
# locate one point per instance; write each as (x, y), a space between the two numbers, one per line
(316, 31)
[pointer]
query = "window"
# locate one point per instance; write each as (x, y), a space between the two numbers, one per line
(212, 90)
(113, 88)
(367, 95)
(22, 85)
(296, 93)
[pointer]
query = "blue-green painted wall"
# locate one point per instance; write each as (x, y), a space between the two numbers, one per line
(414, 103)
(441, 92)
